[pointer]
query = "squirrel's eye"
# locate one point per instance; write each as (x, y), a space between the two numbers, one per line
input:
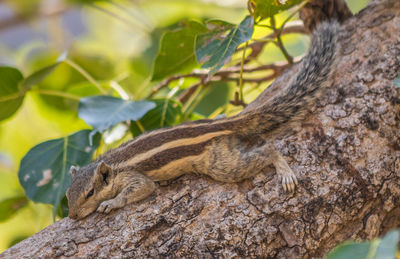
(90, 194)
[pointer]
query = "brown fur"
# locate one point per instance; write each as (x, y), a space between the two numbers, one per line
(228, 150)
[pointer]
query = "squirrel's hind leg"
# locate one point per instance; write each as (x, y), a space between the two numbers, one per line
(228, 163)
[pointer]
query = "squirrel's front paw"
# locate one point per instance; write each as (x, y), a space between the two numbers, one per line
(107, 206)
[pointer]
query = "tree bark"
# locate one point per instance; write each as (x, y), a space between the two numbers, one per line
(346, 156)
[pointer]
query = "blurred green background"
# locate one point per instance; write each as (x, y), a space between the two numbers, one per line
(116, 42)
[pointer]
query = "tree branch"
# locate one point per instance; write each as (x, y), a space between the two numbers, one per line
(346, 156)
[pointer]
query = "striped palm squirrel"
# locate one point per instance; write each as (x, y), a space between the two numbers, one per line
(225, 149)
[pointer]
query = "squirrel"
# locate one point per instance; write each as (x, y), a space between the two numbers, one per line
(227, 149)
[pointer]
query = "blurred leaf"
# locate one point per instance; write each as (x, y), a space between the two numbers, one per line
(83, 89)
(17, 239)
(11, 96)
(10, 206)
(388, 245)
(384, 248)
(62, 210)
(97, 66)
(44, 170)
(268, 8)
(24, 8)
(396, 82)
(218, 95)
(103, 112)
(166, 113)
(351, 250)
(85, 1)
(177, 50)
(57, 76)
(217, 46)
(37, 76)
(196, 116)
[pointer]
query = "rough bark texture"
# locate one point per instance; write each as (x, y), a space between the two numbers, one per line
(346, 156)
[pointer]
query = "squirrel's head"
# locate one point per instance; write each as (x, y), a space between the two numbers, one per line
(90, 186)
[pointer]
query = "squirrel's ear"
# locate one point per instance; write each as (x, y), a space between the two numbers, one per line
(73, 170)
(104, 172)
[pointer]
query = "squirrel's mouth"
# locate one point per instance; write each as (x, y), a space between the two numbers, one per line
(79, 215)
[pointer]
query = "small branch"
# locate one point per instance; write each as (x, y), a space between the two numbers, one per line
(279, 41)
(278, 68)
(252, 80)
(241, 73)
(277, 71)
(185, 95)
(257, 46)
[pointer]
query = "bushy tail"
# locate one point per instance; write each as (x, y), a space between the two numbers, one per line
(294, 99)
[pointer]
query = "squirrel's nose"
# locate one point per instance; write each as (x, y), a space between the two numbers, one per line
(73, 215)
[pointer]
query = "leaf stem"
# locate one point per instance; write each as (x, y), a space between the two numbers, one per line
(140, 126)
(120, 90)
(11, 97)
(56, 93)
(187, 107)
(196, 102)
(85, 74)
(372, 250)
(241, 97)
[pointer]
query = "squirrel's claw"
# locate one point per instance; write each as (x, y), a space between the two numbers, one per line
(289, 183)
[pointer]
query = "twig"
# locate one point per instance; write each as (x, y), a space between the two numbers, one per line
(258, 46)
(241, 73)
(279, 41)
(56, 93)
(220, 75)
(185, 95)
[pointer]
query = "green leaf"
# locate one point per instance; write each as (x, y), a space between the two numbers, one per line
(10, 206)
(37, 76)
(62, 210)
(217, 46)
(384, 248)
(166, 113)
(388, 245)
(103, 112)
(351, 250)
(218, 95)
(11, 96)
(44, 170)
(177, 50)
(268, 8)
(396, 81)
